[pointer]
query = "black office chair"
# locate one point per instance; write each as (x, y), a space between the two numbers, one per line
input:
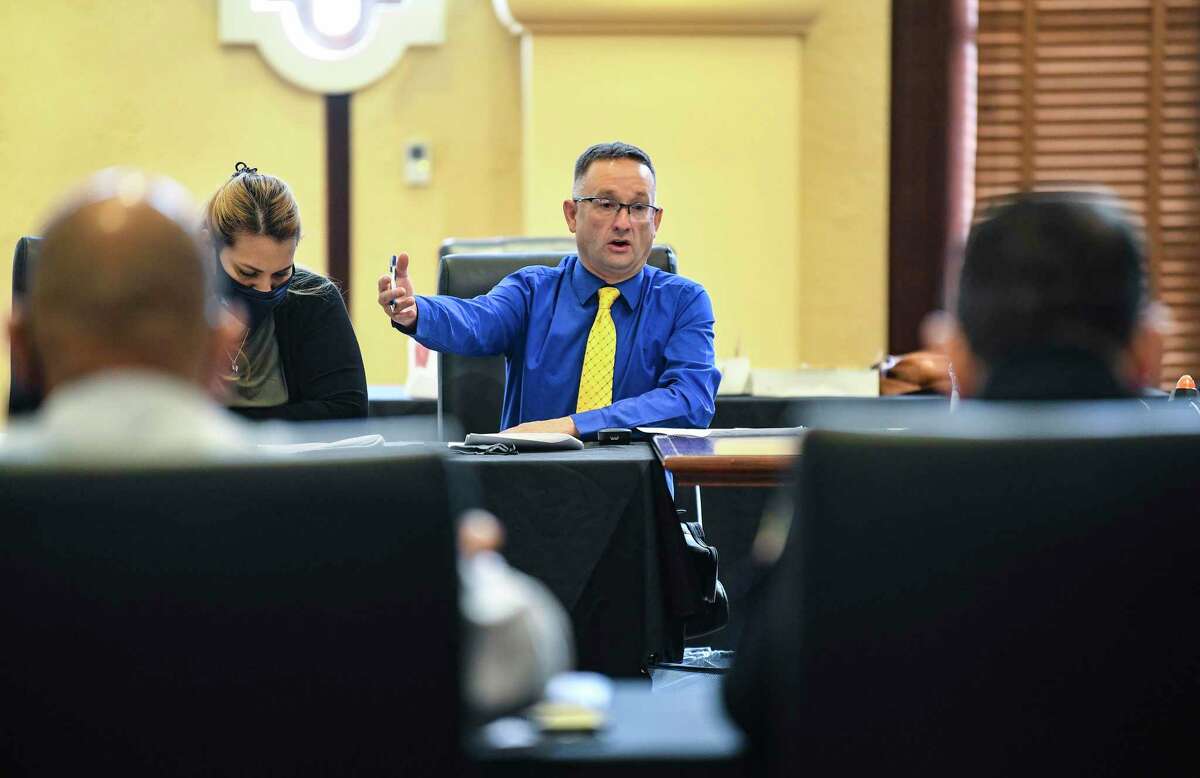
(472, 388)
(253, 619)
(22, 398)
(508, 245)
(987, 606)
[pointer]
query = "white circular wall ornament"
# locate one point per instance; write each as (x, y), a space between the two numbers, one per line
(332, 46)
(504, 14)
(334, 18)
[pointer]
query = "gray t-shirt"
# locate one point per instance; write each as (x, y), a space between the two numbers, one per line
(258, 378)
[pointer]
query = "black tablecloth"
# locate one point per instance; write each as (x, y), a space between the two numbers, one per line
(582, 523)
(674, 733)
(732, 410)
(389, 400)
(586, 524)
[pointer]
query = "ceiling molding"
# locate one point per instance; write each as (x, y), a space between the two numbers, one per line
(658, 17)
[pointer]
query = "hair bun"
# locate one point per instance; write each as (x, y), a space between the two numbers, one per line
(241, 168)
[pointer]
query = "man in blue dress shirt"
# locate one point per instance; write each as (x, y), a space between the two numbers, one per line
(540, 318)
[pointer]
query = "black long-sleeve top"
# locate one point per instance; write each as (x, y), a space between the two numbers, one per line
(322, 363)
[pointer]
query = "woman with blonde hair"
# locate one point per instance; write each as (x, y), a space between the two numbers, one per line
(299, 358)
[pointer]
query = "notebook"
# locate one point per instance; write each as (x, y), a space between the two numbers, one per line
(527, 441)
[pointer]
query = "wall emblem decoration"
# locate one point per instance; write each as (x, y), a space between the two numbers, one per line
(332, 46)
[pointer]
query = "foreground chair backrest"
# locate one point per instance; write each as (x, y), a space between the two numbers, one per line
(258, 619)
(471, 389)
(989, 606)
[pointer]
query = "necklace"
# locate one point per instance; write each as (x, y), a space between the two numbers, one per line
(233, 362)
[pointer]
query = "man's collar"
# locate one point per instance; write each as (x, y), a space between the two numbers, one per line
(586, 285)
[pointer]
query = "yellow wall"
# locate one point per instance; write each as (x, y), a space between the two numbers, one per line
(85, 85)
(464, 99)
(721, 119)
(145, 83)
(843, 270)
(775, 190)
(773, 162)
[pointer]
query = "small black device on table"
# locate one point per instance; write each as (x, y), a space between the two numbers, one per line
(613, 436)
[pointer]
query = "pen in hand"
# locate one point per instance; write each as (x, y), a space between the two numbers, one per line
(392, 273)
(396, 292)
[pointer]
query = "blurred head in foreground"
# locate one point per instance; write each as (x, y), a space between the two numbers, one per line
(1052, 302)
(121, 282)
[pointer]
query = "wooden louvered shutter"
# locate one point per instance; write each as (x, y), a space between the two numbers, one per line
(1104, 92)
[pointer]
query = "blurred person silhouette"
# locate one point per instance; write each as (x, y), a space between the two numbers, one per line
(1052, 302)
(121, 330)
(126, 336)
(518, 634)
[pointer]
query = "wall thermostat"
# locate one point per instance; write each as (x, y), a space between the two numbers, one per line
(418, 165)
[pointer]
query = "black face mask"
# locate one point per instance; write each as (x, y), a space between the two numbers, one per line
(258, 305)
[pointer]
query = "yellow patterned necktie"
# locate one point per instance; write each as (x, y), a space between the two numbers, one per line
(596, 378)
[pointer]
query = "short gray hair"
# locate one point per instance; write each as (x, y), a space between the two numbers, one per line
(612, 150)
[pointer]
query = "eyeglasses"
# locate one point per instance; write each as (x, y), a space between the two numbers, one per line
(638, 212)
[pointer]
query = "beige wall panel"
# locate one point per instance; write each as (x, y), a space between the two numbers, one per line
(463, 98)
(843, 283)
(721, 118)
(772, 149)
(85, 85)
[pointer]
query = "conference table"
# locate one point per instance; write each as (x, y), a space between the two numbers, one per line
(600, 528)
(740, 475)
(658, 734)
(595, 526)
(732, 410)
(729, 457)
(390, 400)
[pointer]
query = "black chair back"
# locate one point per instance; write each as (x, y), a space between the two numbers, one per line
(471, 389)
(257, 619)
(989, 606)
(521, 244)
(22, 398)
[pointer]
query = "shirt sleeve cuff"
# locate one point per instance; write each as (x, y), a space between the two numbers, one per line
(412, 328)
(588, 423)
